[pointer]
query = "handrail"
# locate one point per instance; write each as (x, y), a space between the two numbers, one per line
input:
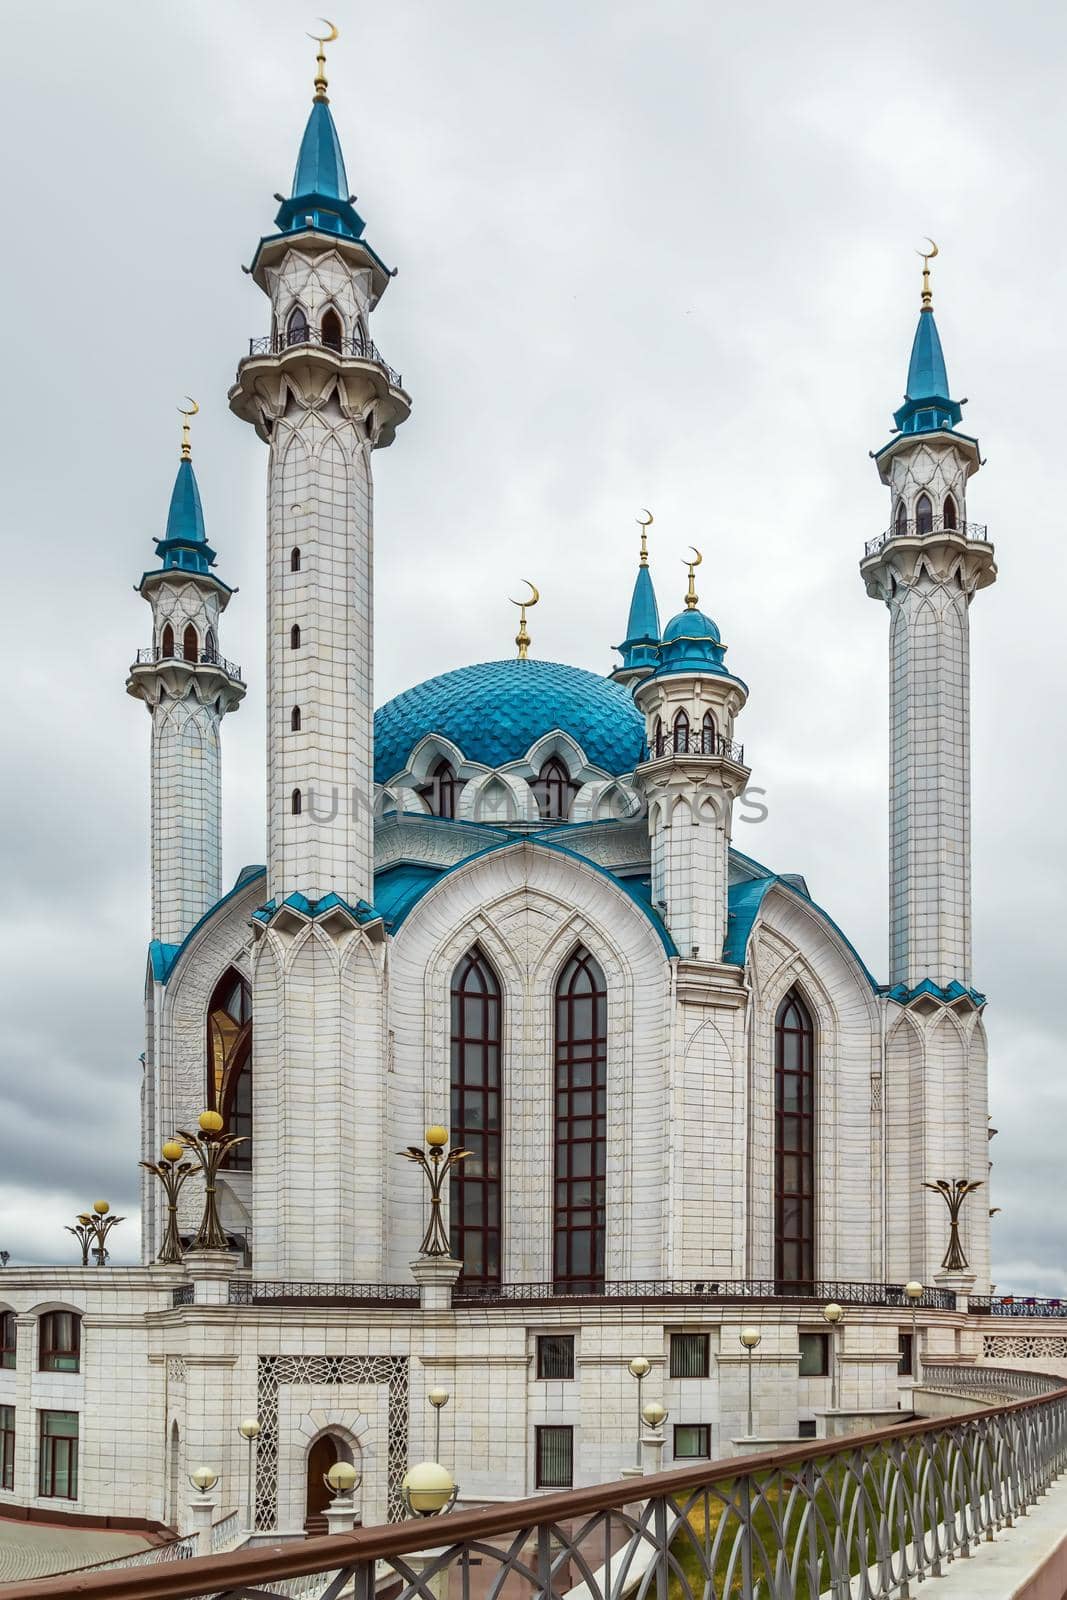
(704, 1289)
(203, 658)
(671, 743)
(922, 527)
(1015, 1305)
(270, 1291)
(354, 348)
(893, 1504)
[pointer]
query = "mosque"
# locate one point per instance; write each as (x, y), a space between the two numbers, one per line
(507, 902)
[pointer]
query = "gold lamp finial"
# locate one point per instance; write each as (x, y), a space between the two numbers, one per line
(692, 563)
(928, 256)
(644, 523)
(322, 40)
(187, 448)
(522, 638)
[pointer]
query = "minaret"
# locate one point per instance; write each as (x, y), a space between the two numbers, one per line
(188, 688)
(927, 568)
(691, 776)
(639, 648)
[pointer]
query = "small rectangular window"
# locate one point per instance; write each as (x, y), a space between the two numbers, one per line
(555, 1355)
(689, 1355)
(806, 1428)
(7, 1447)
(7, 1338)
(907, 1355)
(814, 1355)
(692, 1441)
(555, 1458)
(60, 1346)
(58, 1467)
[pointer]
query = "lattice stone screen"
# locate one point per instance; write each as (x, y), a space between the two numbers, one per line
(1023, 1346)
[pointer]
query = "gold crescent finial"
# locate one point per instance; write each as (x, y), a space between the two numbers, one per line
(522, 638)
(322, 40)
(692, 562)
(644, 523)
(187, 449)
(928, 256)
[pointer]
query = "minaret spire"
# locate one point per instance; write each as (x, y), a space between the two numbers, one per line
(638, 649)
(322, 40)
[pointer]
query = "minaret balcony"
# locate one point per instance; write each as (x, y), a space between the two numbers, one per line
(310, 362)
(923, 528)
(152, 657)
(351, 349)
(712, 746)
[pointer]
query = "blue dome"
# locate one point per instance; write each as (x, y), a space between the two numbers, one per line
(692, 643)
(495, 711)
(691, 625)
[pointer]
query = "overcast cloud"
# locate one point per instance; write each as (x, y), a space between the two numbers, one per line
(653, 255)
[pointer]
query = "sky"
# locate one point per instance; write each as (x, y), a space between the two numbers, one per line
(648, 255)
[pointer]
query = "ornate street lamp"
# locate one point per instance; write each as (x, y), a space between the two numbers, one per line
(750, 1338)
(210, 1147)
(428, 1488)
(954, 1194)
(342, 1480)
(172, 1172)
(834, 1315)
(84, 1234)
(436, 1167)
(914, 1291)
(203, 1479)
(639, 1368)
(102, 1223)
(249, 1429)
(437, 1398)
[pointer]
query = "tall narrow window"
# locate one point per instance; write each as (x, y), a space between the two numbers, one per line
(581, 1053)
(657, 737)
(794, 1142)
(58, 1455)
(554, 1451)
(229, 1061)
(681, 732)
(707, 734)
(442, 791)
(7, 1338)
(474, 1193)
(297, 802)
(294, 636)
(190, 644)
(948, 514)
(211, 646)
(296, 329)
(7, 1447)
(332, 331)
(166, 644)
(59, 1348)
(901, 521)
(554, 791)
(924, 515)
(294, 719)
(294, 560)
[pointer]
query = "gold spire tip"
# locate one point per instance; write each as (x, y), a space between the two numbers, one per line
(928, 256)
(522, 638)
(322, 40)
(187, 416)
(644, 523)
(692, 562)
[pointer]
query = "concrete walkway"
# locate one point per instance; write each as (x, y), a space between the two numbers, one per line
(32, 1549)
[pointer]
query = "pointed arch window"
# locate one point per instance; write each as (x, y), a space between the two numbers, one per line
(332, 329)
(681, 733)
(708, 735)
(166, 645)
(294, 560)
(657, 736)
(296, 329)
(229, 1061)
(581, 1055)
(294, 719)
(948, 514)
(901, 523)
(211, 646)
(294, 636)
(474, 1192)
(296, 802)
(794, 1142)
(554, 791)
(924, 515)
(190, 644)
(441, 793)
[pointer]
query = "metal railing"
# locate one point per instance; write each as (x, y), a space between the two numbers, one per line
(703, 1289)
(203, 658)
(183, 1548)
(267, 1291)
(694, 744)
(999, 1382)
(919, 529)
(860, 1518)
(351, 348)
(226, 1532)
(183, 1295)
(1015, 1305)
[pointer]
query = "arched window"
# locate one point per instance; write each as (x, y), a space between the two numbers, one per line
(474, 1193)
(294, 637)
(794, 1142)
(7, 1338)
(442, 791)
(166, 645)
(554, 791)
(948, 513)
(190, 644)
(229, 1061)
(332, 331)
(211, 646)
(59, 1341)
(581, 1053)
(297, 802)
(707, 735)
(901, 518)
(296, 329)
(294, 719)
(681, 732)
(657, 737)
(924, 515)
(294, 560)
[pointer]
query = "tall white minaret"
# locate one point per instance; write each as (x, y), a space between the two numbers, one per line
(319, 393)
(927, 568)
(188, 687)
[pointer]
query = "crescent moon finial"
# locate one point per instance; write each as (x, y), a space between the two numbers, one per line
(322, 40)
(928, 256)
(522, 638)
(644, 523)
(187, 414)
(692, 562)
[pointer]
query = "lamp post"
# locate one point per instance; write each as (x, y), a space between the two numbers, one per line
(342, 1480)
(639, 1368)
(428, 1489)
(249, 1429)
(437, 1166)
(210, 1146)
(954, 1194)
(834, 1315)
(655, 1415)
(914, 1291)
(84, 1234)
(203, 1480)
(750, 1338)
(102, 1223)
(438, 1398)
(172, 1173)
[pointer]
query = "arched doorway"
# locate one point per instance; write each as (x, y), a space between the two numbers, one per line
(324, 1451)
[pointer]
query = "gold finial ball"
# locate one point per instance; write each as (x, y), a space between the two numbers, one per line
(436, 1136)
(101, 1207)
(172, 1150)
(210, 1122)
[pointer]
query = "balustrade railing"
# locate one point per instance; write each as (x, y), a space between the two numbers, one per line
(920, 527)
(226, 1532)
(1016, 1305)
(183, 1295)
(694, 744)
(859, 1518)
(200, 658)
(703, 1289)
(269, 1291)
(353, 348)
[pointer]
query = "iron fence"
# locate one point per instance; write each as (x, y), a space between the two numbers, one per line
(704, 1289)
(352, 348)
(201, 658)
(267, 1291)
(925, 525)
(860, 1518)
(184, 1295)
(673, 743)
(1012, 1305)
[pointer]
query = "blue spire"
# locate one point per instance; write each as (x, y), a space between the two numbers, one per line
(320, 197)
(184, 544)
(639, 647)
(927, 404)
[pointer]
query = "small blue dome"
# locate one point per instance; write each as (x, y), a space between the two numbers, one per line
(692, 643)
(691, 625)
(496, 710)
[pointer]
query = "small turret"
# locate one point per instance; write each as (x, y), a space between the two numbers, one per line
(639, 648)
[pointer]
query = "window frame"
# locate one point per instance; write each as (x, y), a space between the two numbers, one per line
(540, 1433)
(49, 1353)
(575, 1057)
(9, 1333)
(924, 515)
(824, 1347)
(295, 559)
(7, 1446)
(229, 1063)
(703, 1428)
(294, 636)
(680, 732)
(677, 1344)
(905, 1353)
(797, 1142)
(48, 1452)
(475, 1075)
(545, 1339)
(554, 790)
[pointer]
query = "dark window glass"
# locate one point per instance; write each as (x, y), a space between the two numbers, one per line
(7, 1447)
(296, 329)
(555, 1458)
(442, 791)
(294, 561)
(297, 802)
(948, 512)
(60, 1341)
(902, 517)
(689, 1355)
(555, 1355)
(657, 736)
(294, 719)
(707, 734)
(794, 1140)
(692, 1441)
(7, 1338)
(190, 644)
(332, 331)
(474, 1192)
(229, 1061)
(554, 791)
(167, 642)
(907, 1355)
(581, 1049)
(58, 1476)
(814, 1355)
(924, 515)
(806, 1428)
(681, 732)
(294, 637)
